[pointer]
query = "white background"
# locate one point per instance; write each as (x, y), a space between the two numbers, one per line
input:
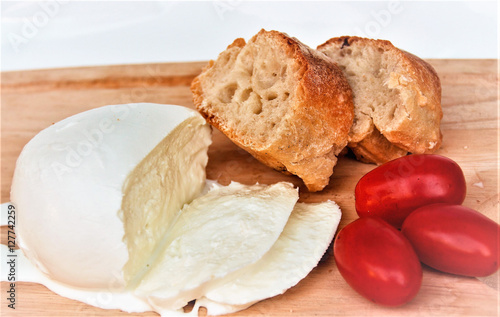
(52, 33)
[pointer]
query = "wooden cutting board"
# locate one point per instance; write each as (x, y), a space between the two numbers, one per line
(33, 100)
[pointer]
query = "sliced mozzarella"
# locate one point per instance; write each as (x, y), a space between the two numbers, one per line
(298, 250)
(220, 232)
(68, 181)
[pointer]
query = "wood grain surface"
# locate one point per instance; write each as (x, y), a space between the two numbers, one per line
(33, 100)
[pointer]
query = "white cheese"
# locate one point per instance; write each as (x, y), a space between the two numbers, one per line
(171, 175)
(104, 298)
(218, 233)
(298, 250)
(68, 181)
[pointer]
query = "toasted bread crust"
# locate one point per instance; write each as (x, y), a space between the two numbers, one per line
(418, 131)
(375, 148)
(316, 125)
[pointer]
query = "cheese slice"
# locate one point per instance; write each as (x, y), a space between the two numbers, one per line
(218, 233)
(69, 180)
(298, 250)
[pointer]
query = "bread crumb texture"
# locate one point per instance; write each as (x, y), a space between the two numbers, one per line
(397, 98)
(288, 105)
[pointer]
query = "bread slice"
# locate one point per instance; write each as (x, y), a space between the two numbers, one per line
(285, 103)
(397, 98)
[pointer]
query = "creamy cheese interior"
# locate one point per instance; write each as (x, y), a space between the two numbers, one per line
(171, 175)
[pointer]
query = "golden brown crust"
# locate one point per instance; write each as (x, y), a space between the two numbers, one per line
(317, 122)
(375, 148)
(418, 131)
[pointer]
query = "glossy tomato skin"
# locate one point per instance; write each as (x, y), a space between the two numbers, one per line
(454, 239)
(393, 190)
(377, 261)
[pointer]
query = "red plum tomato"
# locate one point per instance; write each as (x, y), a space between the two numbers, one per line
(393, 190)
(454, 239)
(378, 262)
